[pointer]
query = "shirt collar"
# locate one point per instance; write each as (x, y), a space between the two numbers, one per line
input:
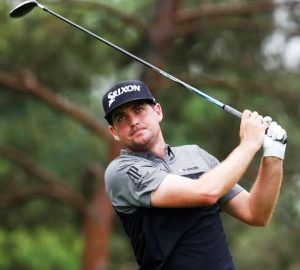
(169, 154)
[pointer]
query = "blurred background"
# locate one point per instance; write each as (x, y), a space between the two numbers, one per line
(54, 145)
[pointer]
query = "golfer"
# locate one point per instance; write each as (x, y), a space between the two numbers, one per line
(169, 198)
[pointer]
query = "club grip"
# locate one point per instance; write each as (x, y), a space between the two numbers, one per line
(233, 111)
(283, 141)
(238, 114)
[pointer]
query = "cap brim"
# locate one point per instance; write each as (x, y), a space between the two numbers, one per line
(108, 114)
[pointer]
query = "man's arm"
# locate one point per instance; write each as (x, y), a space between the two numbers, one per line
(177, 191)
(256, 208)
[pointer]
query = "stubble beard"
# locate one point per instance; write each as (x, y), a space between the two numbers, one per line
(143, 140)
(146, 141)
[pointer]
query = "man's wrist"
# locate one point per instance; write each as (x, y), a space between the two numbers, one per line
(276, 149)
(250, 147)
(274, 141)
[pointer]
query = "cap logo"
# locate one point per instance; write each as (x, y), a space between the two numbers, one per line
(120, 91)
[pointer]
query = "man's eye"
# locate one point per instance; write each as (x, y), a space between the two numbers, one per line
(120, 118)
(139, 109)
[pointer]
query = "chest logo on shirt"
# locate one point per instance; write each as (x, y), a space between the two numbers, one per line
(189, 169)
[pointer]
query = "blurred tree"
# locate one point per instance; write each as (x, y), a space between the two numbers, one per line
(53, 141)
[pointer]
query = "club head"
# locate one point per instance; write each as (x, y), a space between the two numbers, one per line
(23, 8)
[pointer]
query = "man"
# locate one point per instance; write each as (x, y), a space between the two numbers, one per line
(169, 198)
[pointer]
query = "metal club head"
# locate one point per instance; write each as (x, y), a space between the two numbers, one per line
(23, 8)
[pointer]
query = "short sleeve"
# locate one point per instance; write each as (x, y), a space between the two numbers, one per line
(233, 192)
(130, 181)
(212, 162)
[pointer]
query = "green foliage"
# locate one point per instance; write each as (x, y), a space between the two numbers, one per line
(268, 249)
(79, 69)
(40, 249)
(121, 252)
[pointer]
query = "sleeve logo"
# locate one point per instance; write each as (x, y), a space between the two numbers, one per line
(134, 175)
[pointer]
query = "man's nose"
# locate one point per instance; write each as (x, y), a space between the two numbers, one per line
(133, 119)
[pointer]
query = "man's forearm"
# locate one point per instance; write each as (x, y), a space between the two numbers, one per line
(265, 191)
(224, 176)
(179, 191)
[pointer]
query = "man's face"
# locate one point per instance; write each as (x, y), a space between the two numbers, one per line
(136, 125)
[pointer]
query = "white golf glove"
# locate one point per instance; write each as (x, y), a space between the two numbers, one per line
(272, 145)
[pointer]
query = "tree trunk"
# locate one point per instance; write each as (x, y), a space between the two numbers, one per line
(97, 231)
(160, 37)
(98, 221)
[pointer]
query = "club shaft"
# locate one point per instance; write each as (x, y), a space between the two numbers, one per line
(227, 108)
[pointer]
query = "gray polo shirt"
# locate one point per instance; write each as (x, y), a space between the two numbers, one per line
(130, 178)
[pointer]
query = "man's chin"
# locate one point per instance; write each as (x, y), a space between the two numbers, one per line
(142, 144)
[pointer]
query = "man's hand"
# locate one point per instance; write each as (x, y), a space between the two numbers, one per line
(252, 129)
(272, 145)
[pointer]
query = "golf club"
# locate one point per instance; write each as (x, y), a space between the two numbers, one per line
(25, 7)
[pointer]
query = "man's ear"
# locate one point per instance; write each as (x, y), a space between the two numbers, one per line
(158, 111)
(113, 133)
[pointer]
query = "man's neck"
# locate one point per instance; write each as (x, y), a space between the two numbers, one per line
(158, 148)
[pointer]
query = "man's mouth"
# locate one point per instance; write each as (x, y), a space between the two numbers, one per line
(135, 131)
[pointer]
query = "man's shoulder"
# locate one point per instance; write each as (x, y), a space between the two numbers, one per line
(117, 169)
(189, 148)
(121, 163)
(195, 152)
